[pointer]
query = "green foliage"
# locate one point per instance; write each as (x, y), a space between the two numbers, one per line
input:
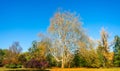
(117, 51)
(38, 50)
(1, 57)
(13, 65)
(105, 61)
(52, 62)
(27, 56)
(87, 60)
(101, 57)
(22, 59)
(77, 60)
(103, 50)
(33, 49)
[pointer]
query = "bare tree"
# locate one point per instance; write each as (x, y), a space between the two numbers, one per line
(13, 52)
(15, 48)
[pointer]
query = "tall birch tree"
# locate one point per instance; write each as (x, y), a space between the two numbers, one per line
(66, 32)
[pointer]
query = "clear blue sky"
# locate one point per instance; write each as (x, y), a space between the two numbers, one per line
(22, 20)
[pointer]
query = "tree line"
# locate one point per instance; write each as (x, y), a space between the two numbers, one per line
(66, 46)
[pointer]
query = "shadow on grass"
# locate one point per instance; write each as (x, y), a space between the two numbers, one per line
(28, 70)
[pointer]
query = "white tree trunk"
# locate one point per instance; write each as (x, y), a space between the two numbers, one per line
(62, 66)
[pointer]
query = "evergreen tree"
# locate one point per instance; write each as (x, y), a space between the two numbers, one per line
(117, 51)
(76, 59)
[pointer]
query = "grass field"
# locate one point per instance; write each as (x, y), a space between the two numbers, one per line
(87, 69)
(65, 69)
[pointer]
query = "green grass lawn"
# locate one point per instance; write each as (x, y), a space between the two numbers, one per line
(60, 69)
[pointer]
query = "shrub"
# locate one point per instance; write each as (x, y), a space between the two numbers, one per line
(44, 64)
(13, 66)
(36, 64)
(19, 66)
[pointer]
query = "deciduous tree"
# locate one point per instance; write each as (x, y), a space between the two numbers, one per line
(103, 49)
(66, 32)
(12, 53)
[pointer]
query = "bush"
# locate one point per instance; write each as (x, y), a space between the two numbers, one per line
(13, 66)
(36, 64)
(44, 64)
(19, 66)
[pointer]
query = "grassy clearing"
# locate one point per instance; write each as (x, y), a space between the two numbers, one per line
(65, 69)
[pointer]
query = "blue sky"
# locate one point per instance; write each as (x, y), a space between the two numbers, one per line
(23, 20)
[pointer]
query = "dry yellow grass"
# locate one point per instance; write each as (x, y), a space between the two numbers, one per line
(86, 69)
